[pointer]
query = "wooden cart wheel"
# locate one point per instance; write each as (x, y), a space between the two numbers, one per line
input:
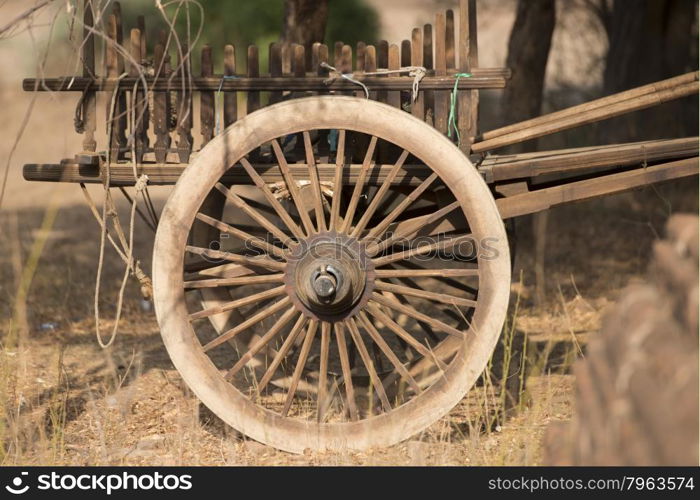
(373, 326)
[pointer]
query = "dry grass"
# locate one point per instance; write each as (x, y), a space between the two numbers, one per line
(65, 401)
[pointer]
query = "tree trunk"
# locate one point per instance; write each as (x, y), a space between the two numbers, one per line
(650, 40)
(528, 51)
(305, 23)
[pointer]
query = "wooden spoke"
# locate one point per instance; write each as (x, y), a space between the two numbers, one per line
(347, 375)
(407, 228)
(255, 319)
(323, 371)
(315, 182)
(284, 350)
(301, 362)
(243, 280)
(379, 195)
(424, 294)
(263, 341)
(410, 311)
(242, 235)
(238, 259)
(359, 185)
(254, 214)
(446, 278)
(227, 270)
(377, 338)
(426, 328)
(424, 273)
(403, 334)
(369, 364)
(445, 244)
(412, 196)
(338, 181)
(292, 187)
(274, 202)
(251, 299)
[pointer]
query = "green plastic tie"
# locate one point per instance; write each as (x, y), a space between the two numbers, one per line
(452, 121)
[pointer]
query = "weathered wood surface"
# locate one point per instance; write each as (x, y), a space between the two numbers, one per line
(480, 80)
(542, 199)
(505, 167)
(593, 111)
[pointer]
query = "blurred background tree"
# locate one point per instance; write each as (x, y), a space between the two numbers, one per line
(259, 22)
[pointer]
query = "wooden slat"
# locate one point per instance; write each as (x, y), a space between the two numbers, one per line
(206, 99)
(542, 199)
(360, 57)
(122, 174)
(371, 65)
(603, 102)
(346, 60)
(89, 104)
(139, 100)
(393, 98)
(338, 54)
(547, 127)
(275, 66)
(161, 107)
(230, 98)
(482, 79)
(253, 70)
(497, 168)
(405, 61)
(464, 122)
(442, 98)
(428, 64)
(418, 106)
(184, 107)
(114, 66)
(450, 38)
(319, 55)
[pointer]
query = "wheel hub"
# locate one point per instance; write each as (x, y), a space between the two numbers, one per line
(329, 276)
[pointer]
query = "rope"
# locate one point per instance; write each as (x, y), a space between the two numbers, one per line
(417, 72)
(451, 120)
(125, 247)
(217, 126)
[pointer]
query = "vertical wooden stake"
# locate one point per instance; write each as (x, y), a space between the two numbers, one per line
(207, 109)
(89, 105)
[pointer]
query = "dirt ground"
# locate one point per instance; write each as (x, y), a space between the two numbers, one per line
(66, 401)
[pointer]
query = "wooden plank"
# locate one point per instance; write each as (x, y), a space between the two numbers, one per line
(184, 106)
(497, 168)
(230, 97)
(275, 67)
(442, 98)
(346, 60)
(603, 102)
(161, 107)
(299, 71)
(207, 112)
(122, 174)
(418, 106)
(338, 54)
(588, 116)
(89, 103)
(114, 66)
(482, 80)
(542, 199)
(464, 98)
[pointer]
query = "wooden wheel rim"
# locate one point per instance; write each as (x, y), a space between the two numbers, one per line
(330, 112)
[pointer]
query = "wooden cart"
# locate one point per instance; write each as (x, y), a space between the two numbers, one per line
(332, 270)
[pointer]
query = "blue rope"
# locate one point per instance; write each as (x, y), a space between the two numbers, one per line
(218, 92)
